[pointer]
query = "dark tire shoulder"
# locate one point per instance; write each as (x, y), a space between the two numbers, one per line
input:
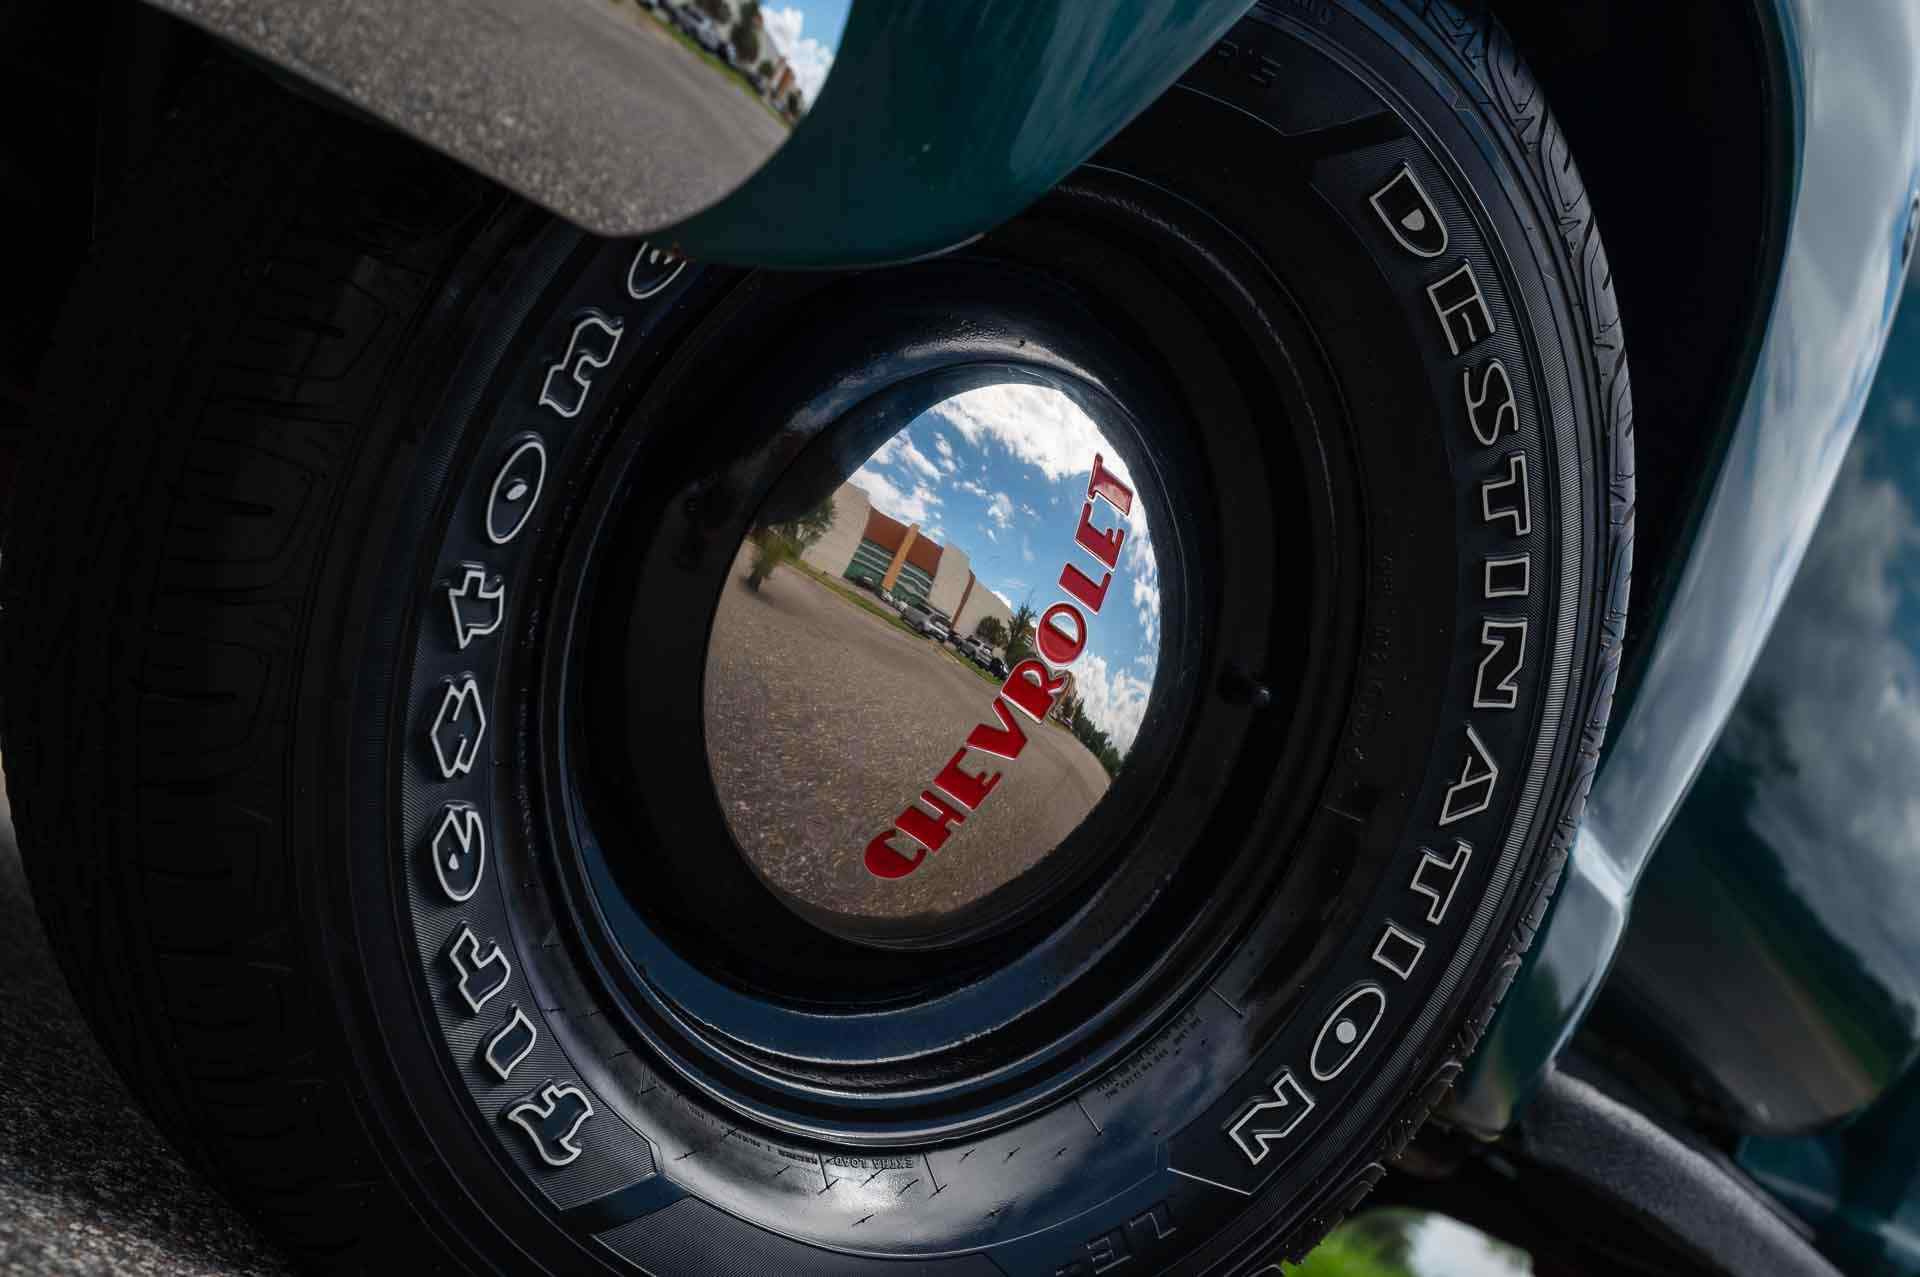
(1509, 94)
(197, 412)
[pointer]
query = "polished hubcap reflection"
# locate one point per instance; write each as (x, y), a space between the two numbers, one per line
(925, 674)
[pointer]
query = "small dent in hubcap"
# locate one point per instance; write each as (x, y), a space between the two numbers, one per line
(925, 675)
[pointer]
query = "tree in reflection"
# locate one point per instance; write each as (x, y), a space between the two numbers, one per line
(775, 543)
(992, 631)
(746, 34)
(1020, 634)
(1073, 710)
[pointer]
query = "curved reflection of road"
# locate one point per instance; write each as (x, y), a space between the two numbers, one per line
(590, 107)
(824, 719)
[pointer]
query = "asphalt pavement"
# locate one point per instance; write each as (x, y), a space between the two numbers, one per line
(825, 720)
(591, 107)
(87, 1184)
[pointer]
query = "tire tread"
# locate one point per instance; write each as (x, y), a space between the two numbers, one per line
(1486, 53)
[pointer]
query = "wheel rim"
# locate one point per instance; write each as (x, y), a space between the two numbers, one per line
(769, 1002)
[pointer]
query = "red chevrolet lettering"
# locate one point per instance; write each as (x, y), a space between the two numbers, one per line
(1032, 687)
(1106, 485)
(1104, 546)
(964, 787)
(1054, 643)
(1081, 586)
(1004, 741)
(884, 862)
(932, 831)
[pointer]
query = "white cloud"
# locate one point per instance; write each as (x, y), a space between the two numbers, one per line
(1026, 549)
(968, 485)
(1139, 561)
(899, 451)
(1115, 699)
(1043, 428)
(908, 455)
(1037, 424)
(945, 449)
(1830, 726)
(1000, 509)
(810, 59)
(1146, 602)
(908, 507)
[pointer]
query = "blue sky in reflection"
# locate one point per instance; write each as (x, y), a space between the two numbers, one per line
(1001, 472)
(807, 32)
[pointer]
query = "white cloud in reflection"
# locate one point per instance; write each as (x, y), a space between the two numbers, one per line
(1032, 449)
(1037, 424)
(810, 59)
(1840, 689)
(888, 497)
(1114, 698)
(901, 449)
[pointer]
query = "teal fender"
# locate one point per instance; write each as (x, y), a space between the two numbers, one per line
(938, 120)
(943, 119)
(1771, 957)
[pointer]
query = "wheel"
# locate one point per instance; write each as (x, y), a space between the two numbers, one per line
(470, 871)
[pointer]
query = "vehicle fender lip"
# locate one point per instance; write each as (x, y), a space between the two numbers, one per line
(1848, 168)
(554, 114)
(1539, 1018)
(584, 113)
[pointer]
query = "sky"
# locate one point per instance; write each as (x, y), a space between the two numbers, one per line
(1001, 472)
(807, 32)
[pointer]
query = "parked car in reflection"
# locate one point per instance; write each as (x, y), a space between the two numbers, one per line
(703, 29)
(920, 618)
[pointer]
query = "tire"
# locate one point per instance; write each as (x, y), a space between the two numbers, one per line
(276, 424)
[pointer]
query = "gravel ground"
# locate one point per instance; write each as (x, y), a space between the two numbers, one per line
(87, 1185)
(824, 720)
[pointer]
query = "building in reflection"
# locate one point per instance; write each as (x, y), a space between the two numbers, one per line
(876, 550)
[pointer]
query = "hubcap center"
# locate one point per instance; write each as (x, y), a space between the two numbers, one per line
(929, 664)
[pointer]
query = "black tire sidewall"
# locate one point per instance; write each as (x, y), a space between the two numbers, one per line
(562, 278)
(1142, 1162)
